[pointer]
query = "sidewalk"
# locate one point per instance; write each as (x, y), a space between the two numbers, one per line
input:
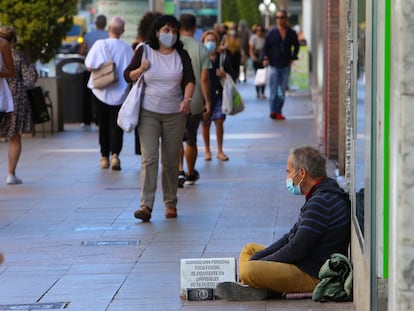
(71, 242)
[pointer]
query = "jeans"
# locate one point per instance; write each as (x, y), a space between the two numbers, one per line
(275, 276)
(167, 129)
(279, 78)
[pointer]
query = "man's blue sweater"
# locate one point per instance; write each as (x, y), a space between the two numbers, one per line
(323, 228)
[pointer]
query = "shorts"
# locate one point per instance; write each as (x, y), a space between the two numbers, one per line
(216, 113)
(191, 128)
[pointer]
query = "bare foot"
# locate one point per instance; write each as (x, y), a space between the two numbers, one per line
(207, 156)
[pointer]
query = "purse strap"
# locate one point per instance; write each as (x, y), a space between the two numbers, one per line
(221, 60)
(108, 52)
(144, 53)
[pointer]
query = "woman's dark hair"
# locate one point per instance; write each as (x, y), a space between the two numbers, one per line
(145, 23)
(158, 24)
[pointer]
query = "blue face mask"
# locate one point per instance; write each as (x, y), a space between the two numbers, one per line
(210, 45)
(168, 39)
(292, 188)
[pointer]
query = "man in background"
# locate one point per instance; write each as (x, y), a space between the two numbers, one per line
(280, 50)
(88, 40)
(109, 99)
(200, 103)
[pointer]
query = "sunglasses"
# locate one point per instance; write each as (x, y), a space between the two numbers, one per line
(280, 17)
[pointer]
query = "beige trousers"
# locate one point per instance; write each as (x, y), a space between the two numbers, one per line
(276, 276)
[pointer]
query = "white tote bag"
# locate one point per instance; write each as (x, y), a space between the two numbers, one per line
(128, 115)
(260, 77)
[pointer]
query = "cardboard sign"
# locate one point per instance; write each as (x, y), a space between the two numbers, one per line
(205, 273)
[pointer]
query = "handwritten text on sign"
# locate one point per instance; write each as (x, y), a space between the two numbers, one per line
(206, 272)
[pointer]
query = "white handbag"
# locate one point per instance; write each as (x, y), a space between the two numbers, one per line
(128, 115)
(260, 77)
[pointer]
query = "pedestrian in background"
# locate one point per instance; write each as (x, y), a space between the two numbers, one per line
(220, 66)
(256, 44)
(169, 87)
(200, 103)
(109, 100)
(7, 70)
(244, 37)
(233, 52)
(18, 121)
(280, 50)
(88, 40)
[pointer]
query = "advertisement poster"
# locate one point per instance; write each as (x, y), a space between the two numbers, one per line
(299, 74)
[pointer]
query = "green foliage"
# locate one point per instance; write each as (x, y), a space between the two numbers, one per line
(40, 24)
(236, 10)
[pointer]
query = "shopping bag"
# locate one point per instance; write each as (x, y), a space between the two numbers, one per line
(232, 102)
(260, 77)
(128, 115)
(39, 109)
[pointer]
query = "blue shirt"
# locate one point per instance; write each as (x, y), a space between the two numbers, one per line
(91, 37)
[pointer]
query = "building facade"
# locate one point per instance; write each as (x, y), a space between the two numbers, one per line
(362, 76)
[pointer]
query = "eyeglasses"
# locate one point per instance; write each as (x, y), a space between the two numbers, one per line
(280, 17)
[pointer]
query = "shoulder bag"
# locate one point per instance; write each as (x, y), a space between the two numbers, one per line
(106, 74)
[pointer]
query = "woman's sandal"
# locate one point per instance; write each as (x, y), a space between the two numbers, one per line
(144, 213)
(222, 157)
(171, 212)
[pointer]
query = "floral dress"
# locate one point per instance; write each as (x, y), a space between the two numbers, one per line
(20, 120)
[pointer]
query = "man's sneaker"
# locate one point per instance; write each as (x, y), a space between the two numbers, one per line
(181, 179)
(115, 163)
(237, 292)
(191, 179)
(13, 180)
(280, 116)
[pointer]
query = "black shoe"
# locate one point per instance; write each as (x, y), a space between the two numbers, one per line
(181, 179)
(237, 292)
(191, 179)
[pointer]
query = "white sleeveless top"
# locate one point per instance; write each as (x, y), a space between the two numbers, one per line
(6, 100)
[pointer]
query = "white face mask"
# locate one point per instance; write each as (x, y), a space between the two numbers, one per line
(168, 39)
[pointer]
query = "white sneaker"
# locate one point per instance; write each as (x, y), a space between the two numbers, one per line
(13, 180)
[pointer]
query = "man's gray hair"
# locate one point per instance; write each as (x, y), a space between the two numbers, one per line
(310, 159)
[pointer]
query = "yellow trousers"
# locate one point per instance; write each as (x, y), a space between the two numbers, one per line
(276, 276)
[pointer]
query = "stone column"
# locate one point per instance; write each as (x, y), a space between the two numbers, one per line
(401, 269)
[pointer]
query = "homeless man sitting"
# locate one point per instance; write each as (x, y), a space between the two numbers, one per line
(291, 264)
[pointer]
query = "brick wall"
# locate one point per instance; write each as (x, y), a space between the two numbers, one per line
(332, 79)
